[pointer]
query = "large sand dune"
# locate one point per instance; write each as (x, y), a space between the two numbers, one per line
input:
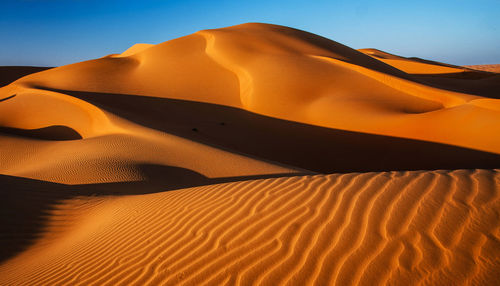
(205, 159)
(373, 229)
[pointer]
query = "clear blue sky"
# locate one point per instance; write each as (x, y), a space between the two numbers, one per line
(58, 32)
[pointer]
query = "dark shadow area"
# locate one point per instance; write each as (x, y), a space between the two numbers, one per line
(467, 75)
(55, 132)
(385, 55)
(310, 147)
(424, 61)
(10, 74)
(477, 83)
(160, 178)
(27, 204)
(470, 81)
(8, 97)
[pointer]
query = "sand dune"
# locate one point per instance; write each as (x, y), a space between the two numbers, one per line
(476, 80)
(488, 68)
(312, 80)
(413, 65)
(368, 229)
(253, 154)
(135, 49)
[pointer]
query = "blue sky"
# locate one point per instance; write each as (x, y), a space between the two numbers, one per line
(58, 32)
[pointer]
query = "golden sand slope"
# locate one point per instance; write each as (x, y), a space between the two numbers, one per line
(398, 228)
(279, 72)
(134, 50)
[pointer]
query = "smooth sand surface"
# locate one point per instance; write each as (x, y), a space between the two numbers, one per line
(488, 68)
(134, 49)
(253, 154)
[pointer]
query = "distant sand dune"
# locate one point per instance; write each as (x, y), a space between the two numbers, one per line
(413, 65)
(373, 228)
(477, 80)
(488, 68)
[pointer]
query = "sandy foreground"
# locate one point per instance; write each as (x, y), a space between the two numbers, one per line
(250, 155)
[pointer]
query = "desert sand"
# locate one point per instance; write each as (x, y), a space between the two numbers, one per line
(488, 68)
(254, 154)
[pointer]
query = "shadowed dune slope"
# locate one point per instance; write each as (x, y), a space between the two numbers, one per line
(309, 147)
(47, 133)
(216, 141)
(287, 74)
(402, 228)
(9, 74)
(413, 65)
(33, 201)
(476, 80)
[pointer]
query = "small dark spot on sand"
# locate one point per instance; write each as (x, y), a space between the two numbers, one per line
(195, 129)
(222, 123)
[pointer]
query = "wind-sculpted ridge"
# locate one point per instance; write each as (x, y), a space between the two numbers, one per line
(403, 228)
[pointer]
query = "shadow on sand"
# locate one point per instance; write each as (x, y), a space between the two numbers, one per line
(27, 204)
(466, 82)
(54, 132)
(9, 74)
(309, 147)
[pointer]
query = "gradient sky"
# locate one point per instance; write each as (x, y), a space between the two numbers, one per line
(59, 32)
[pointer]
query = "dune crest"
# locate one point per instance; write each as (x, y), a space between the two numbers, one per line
(136, 48)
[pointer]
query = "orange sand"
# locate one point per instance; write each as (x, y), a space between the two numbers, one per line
(488, 68)
(201, 160)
